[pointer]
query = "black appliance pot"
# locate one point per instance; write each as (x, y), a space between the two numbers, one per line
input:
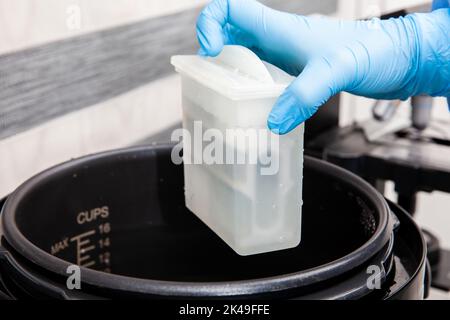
(120, 215)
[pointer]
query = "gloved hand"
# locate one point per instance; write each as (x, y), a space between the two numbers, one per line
(392, 59)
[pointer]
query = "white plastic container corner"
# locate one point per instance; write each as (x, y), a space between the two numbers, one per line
(254, 206)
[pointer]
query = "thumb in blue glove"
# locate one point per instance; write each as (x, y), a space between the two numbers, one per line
(392, 59)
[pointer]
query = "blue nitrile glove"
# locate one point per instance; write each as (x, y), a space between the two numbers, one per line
(439, 4)
(392, 59)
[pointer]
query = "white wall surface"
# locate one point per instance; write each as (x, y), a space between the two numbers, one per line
(109, 125)
(25, 23)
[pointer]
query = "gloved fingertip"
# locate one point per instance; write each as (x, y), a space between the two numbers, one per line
(284, 116)
(210, 36)
(210, 47)
(274, 127)
(283, 128)
(280, 124)
(201, 52)
(275, 122)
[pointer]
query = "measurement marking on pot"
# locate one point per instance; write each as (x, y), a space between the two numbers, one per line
(59, 246)
(82, 240)
(89, 264)
(92, 248)
(87, 249)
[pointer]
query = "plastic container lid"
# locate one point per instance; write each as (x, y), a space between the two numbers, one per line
(236, 73)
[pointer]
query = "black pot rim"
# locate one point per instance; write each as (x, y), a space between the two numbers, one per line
(251, 287)
(423, 260)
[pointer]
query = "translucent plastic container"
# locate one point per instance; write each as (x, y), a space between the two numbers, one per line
(253, 205)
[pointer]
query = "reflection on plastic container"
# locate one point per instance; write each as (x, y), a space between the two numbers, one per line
(253, 205)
